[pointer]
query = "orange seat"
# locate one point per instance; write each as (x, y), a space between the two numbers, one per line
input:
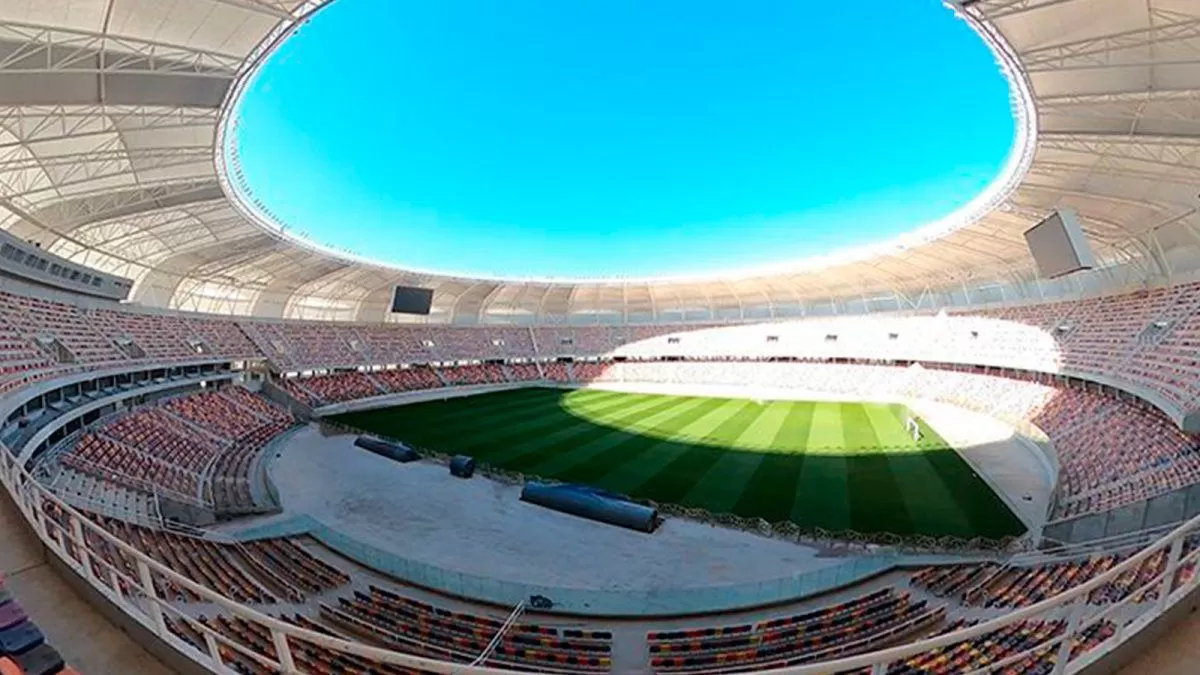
(7, 667)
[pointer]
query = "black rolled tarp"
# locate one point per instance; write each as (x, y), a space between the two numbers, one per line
(593, 504)
(395, 451)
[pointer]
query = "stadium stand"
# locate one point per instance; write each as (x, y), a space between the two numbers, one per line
(474, 374)
(335, 387)
(1114, 448)
(311, 658)
(1144, 339)
(1162, 457)
(846, 628)
(408, 624)
(119, 154)
(260, 572)
(524, 372)
(199, 448)
(408, 379)
(558, 371)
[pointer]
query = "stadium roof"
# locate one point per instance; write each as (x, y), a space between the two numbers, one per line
(113, 131)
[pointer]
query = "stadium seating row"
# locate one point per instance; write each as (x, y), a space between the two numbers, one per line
(409, 625)
(283, 571)
(269, 572)
(1146, 338)
(199, 448)
(995, 586)
(1114, 450)
(352, 385)
(23, 648)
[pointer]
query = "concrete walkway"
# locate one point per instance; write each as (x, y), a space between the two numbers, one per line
(1176, 653)
(87, 640)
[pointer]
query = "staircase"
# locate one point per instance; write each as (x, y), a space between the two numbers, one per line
(129, 348)
(51, 347)
(533, 341)
(278, 354)
(379, 386)
(361, 347)
(441, 377)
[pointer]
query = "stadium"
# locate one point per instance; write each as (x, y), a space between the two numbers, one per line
(226, 447)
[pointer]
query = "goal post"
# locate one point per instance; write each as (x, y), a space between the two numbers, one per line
(914, 429)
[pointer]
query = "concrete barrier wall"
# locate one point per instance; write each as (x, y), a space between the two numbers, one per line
(407, 397)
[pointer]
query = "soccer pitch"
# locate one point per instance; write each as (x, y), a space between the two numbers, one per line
(834, 465)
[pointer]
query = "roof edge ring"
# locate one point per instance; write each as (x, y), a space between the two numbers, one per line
(1016, 167)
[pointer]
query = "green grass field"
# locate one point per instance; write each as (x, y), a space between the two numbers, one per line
(833, 465)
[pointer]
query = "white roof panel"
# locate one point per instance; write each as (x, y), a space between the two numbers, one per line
(105, 160)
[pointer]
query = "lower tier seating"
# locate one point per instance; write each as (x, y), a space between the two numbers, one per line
(399, 622)
(855, 626)
(199, 448)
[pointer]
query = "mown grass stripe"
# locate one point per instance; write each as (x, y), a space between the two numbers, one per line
(567, 433)
(576, 433)
(825, 432)
(721, 454)
(891, 430)
(723, 484)
(675, 481)
(672, 443)
(622, 446)
(858, 433)
(771, 491)
(454, 407)
(821, 497)
(876, 503)
(987, 514)
(430, 421)
(497, 432)
(929, 503)
(603, 436)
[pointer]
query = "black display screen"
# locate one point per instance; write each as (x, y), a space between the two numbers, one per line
(412, 300)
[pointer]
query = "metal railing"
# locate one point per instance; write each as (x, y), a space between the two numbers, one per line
(134, 589)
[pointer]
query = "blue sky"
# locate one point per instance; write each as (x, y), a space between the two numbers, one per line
(621, 138)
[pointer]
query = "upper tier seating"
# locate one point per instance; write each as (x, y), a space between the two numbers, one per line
(303, 344)
(160, 337)
(37, 318)
(1147, 338)
(18, 357)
